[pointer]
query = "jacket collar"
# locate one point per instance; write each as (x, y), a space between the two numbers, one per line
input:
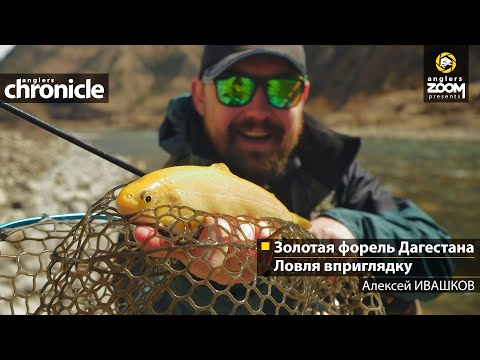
(322, 152)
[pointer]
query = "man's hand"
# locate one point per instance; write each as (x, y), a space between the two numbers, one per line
(227, 264)
(326, 228)
(329, 229)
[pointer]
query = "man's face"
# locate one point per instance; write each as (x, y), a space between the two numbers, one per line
(254, 140)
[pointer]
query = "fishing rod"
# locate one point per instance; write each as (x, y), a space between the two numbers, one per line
(70, 138)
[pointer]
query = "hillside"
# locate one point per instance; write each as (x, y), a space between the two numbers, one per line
(352, 85)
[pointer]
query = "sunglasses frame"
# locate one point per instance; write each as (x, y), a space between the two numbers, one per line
(262, 81)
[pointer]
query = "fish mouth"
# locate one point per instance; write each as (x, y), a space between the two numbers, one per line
(126, 211)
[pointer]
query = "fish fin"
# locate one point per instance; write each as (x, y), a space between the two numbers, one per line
(188, 229)
(170, 192)
(222, 167)
(297, 219)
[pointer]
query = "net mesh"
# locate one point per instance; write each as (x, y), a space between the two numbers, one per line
(199, 264)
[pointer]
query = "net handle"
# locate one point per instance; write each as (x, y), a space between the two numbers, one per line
(36, 219)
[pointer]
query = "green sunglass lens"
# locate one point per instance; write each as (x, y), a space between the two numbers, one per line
(285, 93)
(235, 90)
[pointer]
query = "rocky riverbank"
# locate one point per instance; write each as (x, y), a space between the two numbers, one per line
(41, 174)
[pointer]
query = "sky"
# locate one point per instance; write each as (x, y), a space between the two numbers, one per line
(4, 49)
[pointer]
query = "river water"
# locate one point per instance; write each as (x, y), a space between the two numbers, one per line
(441, 177)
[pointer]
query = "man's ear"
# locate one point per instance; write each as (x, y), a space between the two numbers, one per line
(198, 96)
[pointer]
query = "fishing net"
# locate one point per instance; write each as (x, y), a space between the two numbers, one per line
(205, 265)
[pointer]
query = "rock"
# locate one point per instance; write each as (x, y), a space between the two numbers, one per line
(33, 186)
(3, 198)
(78, 206)
(64, 196)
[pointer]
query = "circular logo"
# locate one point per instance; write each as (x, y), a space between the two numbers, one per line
(446, 62)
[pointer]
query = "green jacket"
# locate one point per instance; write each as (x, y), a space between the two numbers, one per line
(323, 168)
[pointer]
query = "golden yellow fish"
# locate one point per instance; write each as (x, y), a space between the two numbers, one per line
(213, 189)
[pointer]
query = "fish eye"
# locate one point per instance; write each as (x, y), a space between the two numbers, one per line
(148, 198)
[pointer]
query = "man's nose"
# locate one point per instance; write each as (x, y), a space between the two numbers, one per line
(259, 106)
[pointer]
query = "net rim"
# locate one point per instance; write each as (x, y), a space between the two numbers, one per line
(36, 219)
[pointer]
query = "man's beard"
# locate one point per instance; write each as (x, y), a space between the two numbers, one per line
(268, 166)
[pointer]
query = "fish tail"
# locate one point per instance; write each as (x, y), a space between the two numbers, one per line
(297, 219)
